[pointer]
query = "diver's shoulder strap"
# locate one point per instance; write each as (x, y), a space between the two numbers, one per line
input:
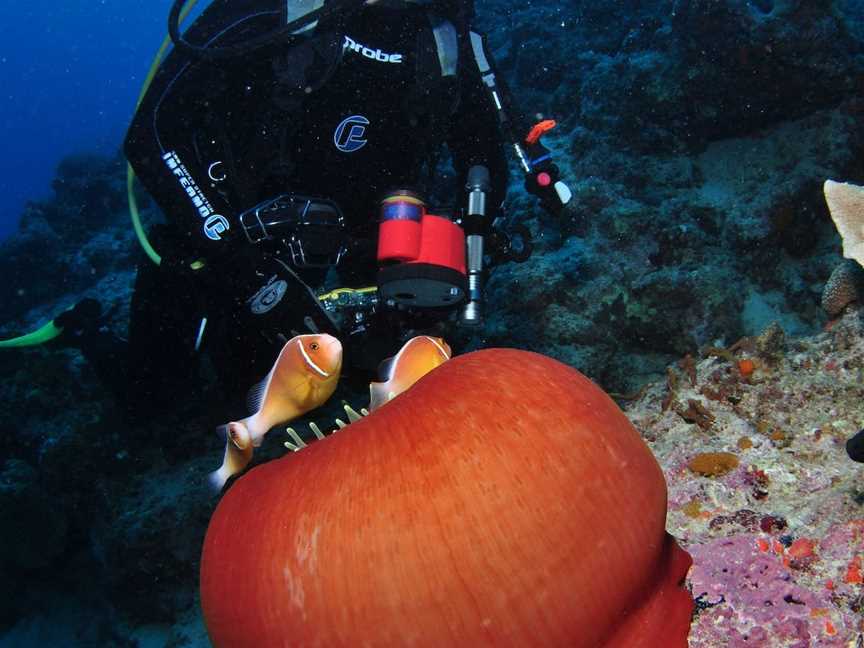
(478, 48)
(446, 44)
(296, 9)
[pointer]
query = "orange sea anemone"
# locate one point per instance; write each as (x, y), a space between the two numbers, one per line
(503, 500)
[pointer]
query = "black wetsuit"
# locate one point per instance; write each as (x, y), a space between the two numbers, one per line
(254, 119)
(358, 109)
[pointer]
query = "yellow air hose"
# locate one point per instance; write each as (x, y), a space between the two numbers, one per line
(130, 174)
(334, 295)
(41, 335)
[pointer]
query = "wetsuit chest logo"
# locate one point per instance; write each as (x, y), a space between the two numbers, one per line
(350, 134)
(350, 45)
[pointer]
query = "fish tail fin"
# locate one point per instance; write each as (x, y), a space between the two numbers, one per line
(216, 479)
(238, 454)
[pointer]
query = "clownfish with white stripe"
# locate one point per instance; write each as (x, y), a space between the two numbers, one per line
(417, 357)
(303, 377)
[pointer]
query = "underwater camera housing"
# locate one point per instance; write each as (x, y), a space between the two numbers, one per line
(312, 229)
(421, 256)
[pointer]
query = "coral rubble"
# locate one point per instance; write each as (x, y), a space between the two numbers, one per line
(778, 539)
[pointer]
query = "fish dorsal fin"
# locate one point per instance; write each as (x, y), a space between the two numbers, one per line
(388, 366)
(385, 369)
(256, 393)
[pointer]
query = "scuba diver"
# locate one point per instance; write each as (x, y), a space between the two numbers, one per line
(291, 147)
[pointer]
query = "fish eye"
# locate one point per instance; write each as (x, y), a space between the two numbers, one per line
(314, 346)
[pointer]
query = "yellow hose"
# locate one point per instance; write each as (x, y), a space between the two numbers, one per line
(130, 174)
(41, 335)
(335, 294)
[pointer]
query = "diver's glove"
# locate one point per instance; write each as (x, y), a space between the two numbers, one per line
(82, 320)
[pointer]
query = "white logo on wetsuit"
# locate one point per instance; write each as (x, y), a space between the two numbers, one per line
(375, 54)
(214, 224)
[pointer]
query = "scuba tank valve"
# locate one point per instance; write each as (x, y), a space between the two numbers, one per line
(475, 224)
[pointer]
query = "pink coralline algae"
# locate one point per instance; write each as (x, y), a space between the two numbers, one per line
(752, 582)
(753, 592)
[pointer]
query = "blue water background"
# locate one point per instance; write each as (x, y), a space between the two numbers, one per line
(70, 73)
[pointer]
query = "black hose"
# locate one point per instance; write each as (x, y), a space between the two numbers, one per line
(323, 14)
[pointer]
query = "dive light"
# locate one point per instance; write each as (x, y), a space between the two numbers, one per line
(474, 223)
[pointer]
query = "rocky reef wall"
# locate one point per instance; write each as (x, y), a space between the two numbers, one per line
(696, 135)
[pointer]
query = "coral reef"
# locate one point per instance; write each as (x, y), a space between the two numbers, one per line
(846, 202)
(662, 254)
(843, 287)
(40, 532)
(696, 136)
(77, 243)
(712, 464)
(778, 539)
(682, 74)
